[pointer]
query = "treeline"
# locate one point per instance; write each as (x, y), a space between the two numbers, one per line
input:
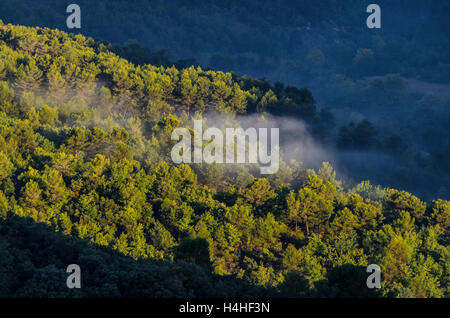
(84, 150)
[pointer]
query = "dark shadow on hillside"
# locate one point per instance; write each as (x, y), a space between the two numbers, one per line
(34, 258)
(33, 262)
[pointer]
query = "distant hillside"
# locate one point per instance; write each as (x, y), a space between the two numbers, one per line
(266, 38)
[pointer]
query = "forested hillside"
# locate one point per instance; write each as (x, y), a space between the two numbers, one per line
(390, 123)
(85, 151)
(266, 38)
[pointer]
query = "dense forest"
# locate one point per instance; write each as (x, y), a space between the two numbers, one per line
(86, 178)
(387, 89)
(264, 36)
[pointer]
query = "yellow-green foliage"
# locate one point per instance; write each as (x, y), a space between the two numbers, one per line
(84, 144)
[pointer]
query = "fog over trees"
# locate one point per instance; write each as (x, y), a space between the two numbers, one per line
(86, 178)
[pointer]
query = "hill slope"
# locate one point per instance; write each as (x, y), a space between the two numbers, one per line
(85, 149)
